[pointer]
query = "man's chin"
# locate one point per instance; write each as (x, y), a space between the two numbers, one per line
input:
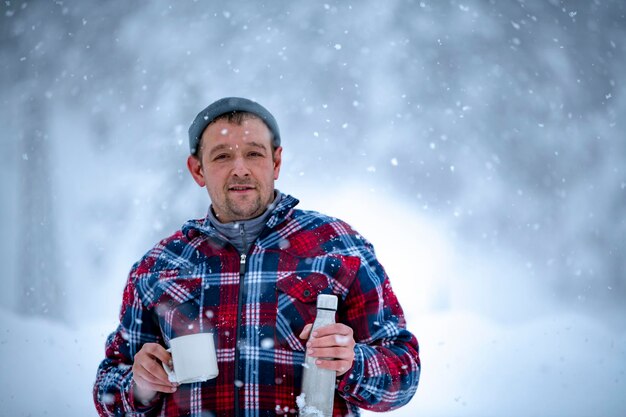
(246, 213)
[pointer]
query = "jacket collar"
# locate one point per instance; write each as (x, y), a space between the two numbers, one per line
(282, 212)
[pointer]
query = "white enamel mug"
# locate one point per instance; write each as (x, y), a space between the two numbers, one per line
(194, 359)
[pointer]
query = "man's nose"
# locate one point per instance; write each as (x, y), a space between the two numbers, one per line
(240, 168)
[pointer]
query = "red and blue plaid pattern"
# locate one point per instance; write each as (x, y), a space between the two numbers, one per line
(189, 283)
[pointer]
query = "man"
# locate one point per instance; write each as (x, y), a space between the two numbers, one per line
(251, 272)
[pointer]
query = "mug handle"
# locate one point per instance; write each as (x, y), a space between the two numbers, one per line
(171, 375)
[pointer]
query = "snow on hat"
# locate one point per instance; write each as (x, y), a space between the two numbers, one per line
(230, 105)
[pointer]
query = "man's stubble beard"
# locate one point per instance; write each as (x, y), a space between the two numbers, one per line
(239, 211)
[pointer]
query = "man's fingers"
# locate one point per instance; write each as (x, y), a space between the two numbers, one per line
(157, 351)
(341, 367)
(154, 386)
(336, 328)
(331, 340)
(148, 367)
(332, 346)
(332, 352)
(306, 331)
(154, 372)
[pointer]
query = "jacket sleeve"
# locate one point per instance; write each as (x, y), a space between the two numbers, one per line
(386, 367)
(113, 389)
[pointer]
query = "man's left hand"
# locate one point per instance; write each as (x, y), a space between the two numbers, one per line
(332, 345)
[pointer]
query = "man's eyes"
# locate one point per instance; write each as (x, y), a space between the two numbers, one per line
(221, 156)
(226, 156)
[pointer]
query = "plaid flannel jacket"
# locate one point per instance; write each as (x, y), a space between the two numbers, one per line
(191, 282)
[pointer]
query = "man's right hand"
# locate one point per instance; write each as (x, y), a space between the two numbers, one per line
(148, 373)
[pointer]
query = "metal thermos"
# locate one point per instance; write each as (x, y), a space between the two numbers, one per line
(318, 385)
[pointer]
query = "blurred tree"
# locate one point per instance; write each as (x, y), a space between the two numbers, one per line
(41, 285)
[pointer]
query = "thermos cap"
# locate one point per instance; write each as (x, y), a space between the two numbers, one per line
(328, 302)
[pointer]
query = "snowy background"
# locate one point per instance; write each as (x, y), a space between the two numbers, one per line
(477, 144)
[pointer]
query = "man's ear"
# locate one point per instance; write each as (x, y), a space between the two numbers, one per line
(195, 168)
(277, 161)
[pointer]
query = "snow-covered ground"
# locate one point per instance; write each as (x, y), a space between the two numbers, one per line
(560, 365)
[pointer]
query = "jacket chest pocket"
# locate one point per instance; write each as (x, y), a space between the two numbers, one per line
(296, 307)
(177, 305)
(297, 294)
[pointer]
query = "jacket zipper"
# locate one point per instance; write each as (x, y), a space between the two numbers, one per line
(238, 383)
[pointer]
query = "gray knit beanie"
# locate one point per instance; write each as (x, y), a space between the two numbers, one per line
(230, 105)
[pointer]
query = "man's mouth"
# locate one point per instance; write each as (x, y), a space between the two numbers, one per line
(240, 188)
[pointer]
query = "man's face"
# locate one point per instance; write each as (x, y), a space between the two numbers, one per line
(237, 168)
